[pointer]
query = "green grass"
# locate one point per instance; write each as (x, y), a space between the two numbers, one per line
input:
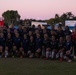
(25, 66)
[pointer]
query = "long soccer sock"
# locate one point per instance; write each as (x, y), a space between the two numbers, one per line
(53, 54)
(47, 54)
(43, 52)
(57, 55)
(61, 54)
(50, 54)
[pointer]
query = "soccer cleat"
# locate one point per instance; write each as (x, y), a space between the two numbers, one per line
(61, 59)
(69, 60)
(45, 58)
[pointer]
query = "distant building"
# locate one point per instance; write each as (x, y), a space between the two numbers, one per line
(38, 23)
(70, 23)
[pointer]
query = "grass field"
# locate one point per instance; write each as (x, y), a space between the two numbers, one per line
(25, 66)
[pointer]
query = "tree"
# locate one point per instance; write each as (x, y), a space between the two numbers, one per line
(11, 16)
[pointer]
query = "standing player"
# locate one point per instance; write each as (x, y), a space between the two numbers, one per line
(67, 31)
(1, 51)
(17, 41)
(60, 32)
(14, 52)
(2, 41)
(74, 42)
(9, 42)
(6, 53)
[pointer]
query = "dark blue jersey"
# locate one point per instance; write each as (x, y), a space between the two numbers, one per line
(67, 33)
(61, 45)
(38, 43)
(32, 46)
(68, 45)
(2, 41)
(46, 43)
(9, 42)
(60, 34)
(54, 45)
(5, 33)
(12, 30)
(14, 53)
(25, 44)
(20, 31)
(17, 42)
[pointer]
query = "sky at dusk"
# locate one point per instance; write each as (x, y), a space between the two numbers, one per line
(38, 9)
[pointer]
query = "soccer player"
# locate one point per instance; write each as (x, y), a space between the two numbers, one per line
(46, 47)
(68, 48)
(54, 47)
(6, 53)
(67, 31)
(60, 32)
(25, 44)
(38, 45)
(74, 42)
(30, 34)
(1, 51)
(9, 42)
(17, 41)
(14, 52)
(20, 31)
(31, 47)
(21, 52)
(61, 47)
(2, 41)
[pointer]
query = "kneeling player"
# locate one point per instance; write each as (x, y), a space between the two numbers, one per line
(14, 52)
(54, 47)
(1, 49)
(61, 46)
(25, 44)
(38, 44)
(31, 47)
(46, 47)
(6, 53)
(21, 52)
(68, 48)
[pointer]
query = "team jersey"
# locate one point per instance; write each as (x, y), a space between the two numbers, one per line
(60, 34)
(32, 46)
(38, 43)
(46, 43)
(67, 33)
(25, 44)
(68, 45)
(14, 53)
(9, 42)
(5, 33)
(2, 41)
(61, 45)
(20, 31)
(54, 45)
(17, 42)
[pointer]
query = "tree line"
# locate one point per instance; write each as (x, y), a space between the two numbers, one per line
(12, 16)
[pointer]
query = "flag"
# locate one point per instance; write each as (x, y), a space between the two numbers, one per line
(1, 23)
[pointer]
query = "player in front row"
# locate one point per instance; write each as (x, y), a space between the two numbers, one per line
(46, 47)
(54, 47)
(31, 47)
(61, 48)
(68, 48)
